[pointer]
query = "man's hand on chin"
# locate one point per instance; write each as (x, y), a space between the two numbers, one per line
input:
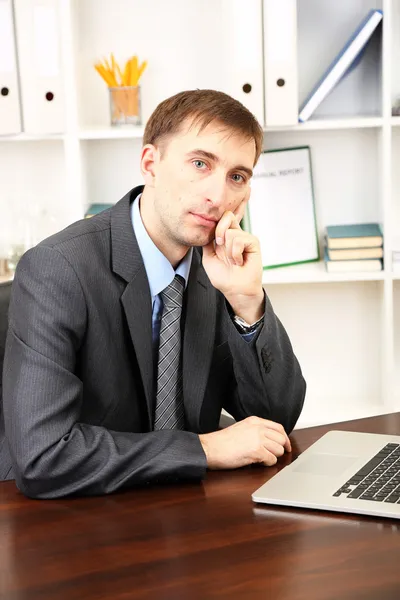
(233, 264)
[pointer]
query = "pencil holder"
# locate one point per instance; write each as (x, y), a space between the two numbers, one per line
(125, 105)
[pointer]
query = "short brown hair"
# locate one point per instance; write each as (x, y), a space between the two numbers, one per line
(204, 106)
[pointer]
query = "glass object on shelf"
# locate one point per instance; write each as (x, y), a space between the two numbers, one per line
(25, 225)
(20, 236)
(396, 108)
(14, 254)
(124, 88)
(3, 249)
(125, 105)
(4, 268)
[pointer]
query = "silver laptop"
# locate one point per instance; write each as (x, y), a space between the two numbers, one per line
(343, 471)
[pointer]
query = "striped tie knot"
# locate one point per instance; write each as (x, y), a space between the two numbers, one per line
(172, 295)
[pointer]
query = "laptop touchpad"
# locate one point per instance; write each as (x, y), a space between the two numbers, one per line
(325, 464)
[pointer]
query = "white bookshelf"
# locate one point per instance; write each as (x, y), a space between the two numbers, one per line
(322, 124)
(111, 133)
(315, 272)
(26, 137)
(345, 328)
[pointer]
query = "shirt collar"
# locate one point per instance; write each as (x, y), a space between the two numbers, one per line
(159, 270)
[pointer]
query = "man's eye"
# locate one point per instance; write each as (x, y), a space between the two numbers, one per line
(199, 164)
(237, 178)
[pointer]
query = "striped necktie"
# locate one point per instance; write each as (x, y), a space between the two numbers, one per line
(169, 413)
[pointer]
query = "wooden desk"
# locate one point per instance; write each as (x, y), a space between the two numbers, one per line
(197, 541)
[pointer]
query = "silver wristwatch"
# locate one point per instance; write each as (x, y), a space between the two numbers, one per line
(243, 327)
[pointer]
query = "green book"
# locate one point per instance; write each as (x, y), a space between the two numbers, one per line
(364, 264)
(357, 235)
(95, 209)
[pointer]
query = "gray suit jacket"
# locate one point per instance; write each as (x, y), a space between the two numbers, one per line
(78, 397)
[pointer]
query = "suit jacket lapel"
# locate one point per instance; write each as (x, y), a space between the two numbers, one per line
(136, 300)
(198, 341)
(199, 330)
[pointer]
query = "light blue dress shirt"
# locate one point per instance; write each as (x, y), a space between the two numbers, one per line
(159, 270)
(160, 273)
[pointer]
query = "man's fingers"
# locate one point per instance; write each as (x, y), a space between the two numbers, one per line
(276, 436)
(238, 242)
(274, 425)
(227, 221)
(241, 209)
(234, 246)
(237, 250)
(285, 443)
(278, 427)
(274, 447)
(269, 459)
(228, 246)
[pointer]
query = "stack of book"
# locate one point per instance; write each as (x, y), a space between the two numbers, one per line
(357, 247)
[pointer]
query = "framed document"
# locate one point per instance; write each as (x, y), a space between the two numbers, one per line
(281, 209)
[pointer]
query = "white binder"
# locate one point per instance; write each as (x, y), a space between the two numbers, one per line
(39, 55)
(242, 49)
(280, 62)
(10, 113)
(281, 210)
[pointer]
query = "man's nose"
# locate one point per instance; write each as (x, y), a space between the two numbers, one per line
(217, 191)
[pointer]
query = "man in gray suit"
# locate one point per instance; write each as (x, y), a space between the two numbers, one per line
(130, 331)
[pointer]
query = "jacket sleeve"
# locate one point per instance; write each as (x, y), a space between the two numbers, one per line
(267, 375)
(53, 454)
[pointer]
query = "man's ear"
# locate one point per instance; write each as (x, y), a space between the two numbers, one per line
(148, 163)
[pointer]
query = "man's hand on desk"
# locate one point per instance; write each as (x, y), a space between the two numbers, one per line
(252, 440)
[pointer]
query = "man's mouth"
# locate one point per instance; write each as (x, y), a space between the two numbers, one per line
(207, 220)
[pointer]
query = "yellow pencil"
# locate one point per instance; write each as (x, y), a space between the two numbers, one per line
(104, 74)
(126, 76)
(112, 74)
(142, 68)
(134, 70)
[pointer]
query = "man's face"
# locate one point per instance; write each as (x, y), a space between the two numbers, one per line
(199, 176)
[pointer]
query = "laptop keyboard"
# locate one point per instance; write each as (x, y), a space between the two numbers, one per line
(378, 480)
